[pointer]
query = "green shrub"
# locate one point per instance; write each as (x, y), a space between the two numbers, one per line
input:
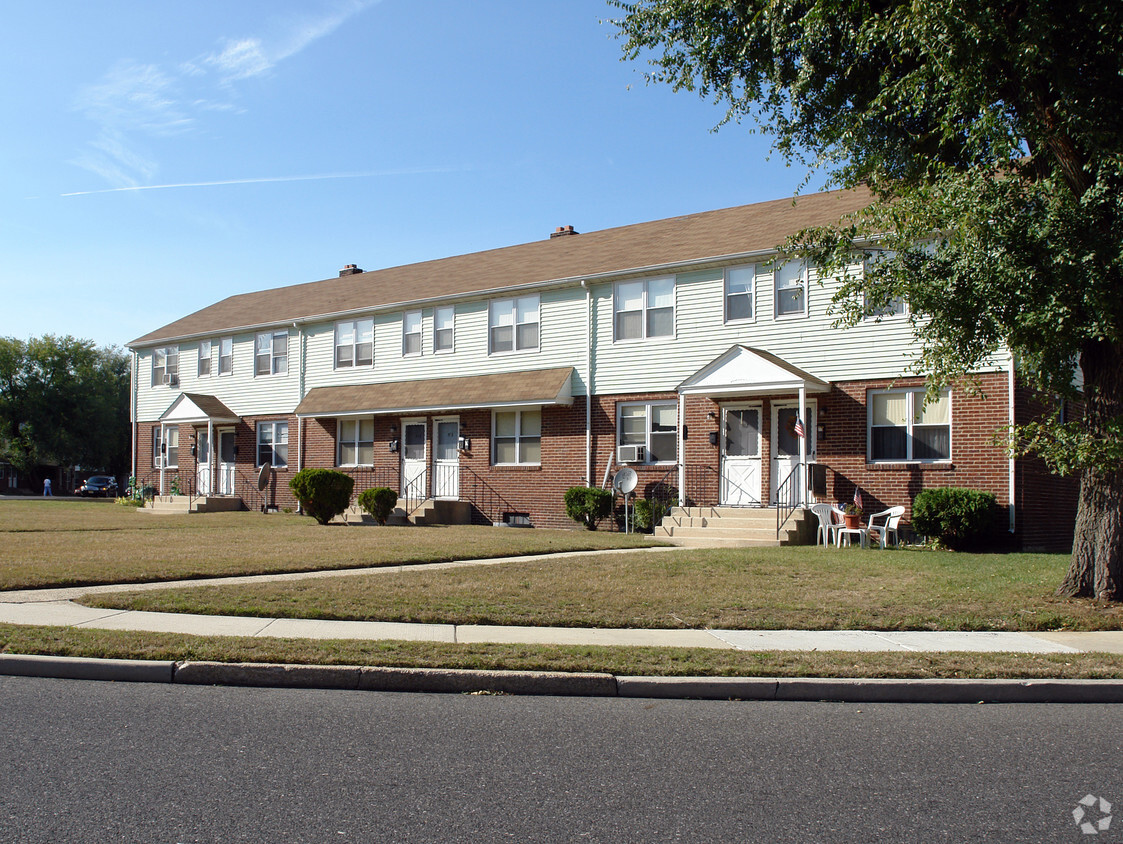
(322, 493)
(958, 518)
(378, 503)
(587, 505)
(649, 512)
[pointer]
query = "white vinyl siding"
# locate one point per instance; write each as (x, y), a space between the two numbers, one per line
(354, 343)
(653, 425)
(355, 442)
(513, 324)
(204, 358)
(272, 443)
(271, 353)
(516, 438)
(903, 429)
(644, 308)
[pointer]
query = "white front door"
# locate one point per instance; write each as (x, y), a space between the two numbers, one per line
(740, 455)
(446, 458)
(413, 459)
(202, 462)
(226, 458)
(785, 449)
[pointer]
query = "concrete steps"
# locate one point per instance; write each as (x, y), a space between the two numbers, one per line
(182, 504)
(733, 527)
(430, 512)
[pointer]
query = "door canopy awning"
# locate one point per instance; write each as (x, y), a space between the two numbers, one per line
(746, 371)
(196, 407)
(508, 389)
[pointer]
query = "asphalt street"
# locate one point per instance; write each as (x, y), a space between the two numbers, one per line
(133, 762)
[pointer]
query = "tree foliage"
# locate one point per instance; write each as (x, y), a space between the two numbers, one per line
(63, 402)
(990, 136)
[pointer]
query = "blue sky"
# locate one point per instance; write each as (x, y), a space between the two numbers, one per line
(158, 157)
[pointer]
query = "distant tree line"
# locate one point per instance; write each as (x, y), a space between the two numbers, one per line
(63, 402)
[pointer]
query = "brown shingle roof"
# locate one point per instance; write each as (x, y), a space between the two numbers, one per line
(538, 386)
(692, 238)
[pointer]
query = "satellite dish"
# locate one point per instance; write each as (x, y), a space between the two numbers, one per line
(263, 475)
(625, 480)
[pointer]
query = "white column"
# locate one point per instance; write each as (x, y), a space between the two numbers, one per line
(803, 445)
(682, 451)
(163, 454)
(210, 456)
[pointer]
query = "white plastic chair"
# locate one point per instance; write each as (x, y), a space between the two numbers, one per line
(826, 523)
(892, 518)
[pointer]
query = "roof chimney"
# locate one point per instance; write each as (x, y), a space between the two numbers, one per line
(349, 269)
(562, 231)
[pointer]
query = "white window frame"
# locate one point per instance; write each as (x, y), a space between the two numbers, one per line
(157, 441)
(782, 279)
(914, 401)
(520, 437)
(226, 354)
(413, 328)
(753, 271)
(273, 426)
(647, 415)
(644, 310)
(898, 307)
(356, 329)
(278, 364)
(506, 313)
(354, 439)
(169, 355)
(444, 316)
(205, 356)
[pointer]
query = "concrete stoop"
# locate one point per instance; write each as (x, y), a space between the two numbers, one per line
(734, 527)
(430, 512)
(175, 504)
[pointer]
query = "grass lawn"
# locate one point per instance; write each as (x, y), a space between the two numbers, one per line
(59, 542)
(681, 662)
(774, 588)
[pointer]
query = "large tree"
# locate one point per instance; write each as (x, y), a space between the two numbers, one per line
(63, 402)
(991, 136)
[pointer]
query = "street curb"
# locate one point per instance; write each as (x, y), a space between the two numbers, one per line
(589, 684)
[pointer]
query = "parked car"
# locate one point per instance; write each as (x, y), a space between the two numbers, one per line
(98, 485)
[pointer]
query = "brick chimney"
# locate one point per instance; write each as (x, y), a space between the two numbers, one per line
(349, 269)
(562, 231)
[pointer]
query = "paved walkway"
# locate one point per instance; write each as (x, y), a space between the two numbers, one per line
(57, 607)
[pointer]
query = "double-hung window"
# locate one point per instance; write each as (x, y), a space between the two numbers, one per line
(513, 324)
(204, 358)
(444, 329)
(903, 428)
(356, 442)
(273, 443)
(892, 307)
(354, 343)
(411, 333)
(653, 425)
(271, 353)
(226, 356)
(791, 289)
(165, 366)
(739, 293)
(644, 308)
(516, 437)
(168, 447)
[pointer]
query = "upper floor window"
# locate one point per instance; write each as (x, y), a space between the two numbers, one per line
(654, 426)
(273, 443)
(739, 293)
(892, 307)
(644, 308)
(165, 366)
(271, 353)
(791, 289)
(356, 442)
(226, 356)
(354, 343)
(903, 428)
(516, 437)
(411, 333)
(444, 329)
(513, 324)
(204, 358)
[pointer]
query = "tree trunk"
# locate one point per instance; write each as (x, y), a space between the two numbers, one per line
(1096, 570)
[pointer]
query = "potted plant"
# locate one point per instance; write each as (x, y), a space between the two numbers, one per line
(852, 517)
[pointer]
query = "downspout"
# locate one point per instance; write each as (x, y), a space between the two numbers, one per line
(300, 393)
(133, 413)
(682, 449)
(1013, 462)
(588, 382)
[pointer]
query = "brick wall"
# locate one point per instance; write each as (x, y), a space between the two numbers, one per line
(1045, 504)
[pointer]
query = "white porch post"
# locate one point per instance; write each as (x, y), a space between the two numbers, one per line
(210, 456)
(163, 454)
(803, 445)
(682, 450)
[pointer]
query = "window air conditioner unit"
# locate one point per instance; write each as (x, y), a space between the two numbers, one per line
(629, 454)
(171, 380)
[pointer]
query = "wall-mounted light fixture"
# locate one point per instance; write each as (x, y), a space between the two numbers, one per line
(394, 446)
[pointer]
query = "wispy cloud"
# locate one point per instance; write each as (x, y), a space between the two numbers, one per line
(411, 171)
(135, 101)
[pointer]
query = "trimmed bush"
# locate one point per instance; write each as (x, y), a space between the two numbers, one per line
(649, 512)
(587, 505)
(323, 493)
(378, 503)
(959, 518)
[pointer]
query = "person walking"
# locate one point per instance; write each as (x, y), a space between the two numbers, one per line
(47, 488)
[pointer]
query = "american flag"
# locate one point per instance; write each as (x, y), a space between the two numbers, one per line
(799, 427)
(858, 498)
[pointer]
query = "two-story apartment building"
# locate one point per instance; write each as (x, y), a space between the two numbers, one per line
(686, 348)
